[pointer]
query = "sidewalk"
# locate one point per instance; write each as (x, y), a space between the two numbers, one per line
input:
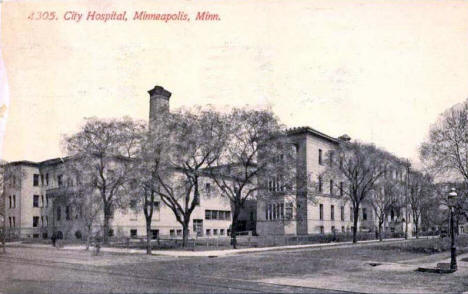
(221, 253)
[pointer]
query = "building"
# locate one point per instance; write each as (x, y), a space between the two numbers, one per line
(34, 210)
(326, 209)
(35, 190)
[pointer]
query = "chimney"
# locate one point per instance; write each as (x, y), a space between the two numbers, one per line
(159, 102)
(344, 138)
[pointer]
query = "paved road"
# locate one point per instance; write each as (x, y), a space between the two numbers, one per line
(32, 270)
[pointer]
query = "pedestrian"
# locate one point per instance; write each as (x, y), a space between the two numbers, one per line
(53, 238)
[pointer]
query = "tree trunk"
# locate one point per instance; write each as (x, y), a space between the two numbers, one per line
(380, 230)
(235, 217)
(355, 223)
(148, 236)
(406, 223)
(185, 233)
(105, 233)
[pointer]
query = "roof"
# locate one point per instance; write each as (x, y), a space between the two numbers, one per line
(311, 131)
(52, 161)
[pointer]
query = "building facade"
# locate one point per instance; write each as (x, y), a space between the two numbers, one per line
(35, 191)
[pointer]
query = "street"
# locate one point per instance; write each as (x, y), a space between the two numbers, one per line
(48, 270)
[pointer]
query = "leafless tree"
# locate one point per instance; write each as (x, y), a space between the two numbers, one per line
(256, 160)
(420, 196)
(445, 153)
(106, 149)
(361, 166)
(382, 198)
(148, 169)
(81, 194)
(195, 143)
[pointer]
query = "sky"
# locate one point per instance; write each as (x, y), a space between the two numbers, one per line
(379, 71)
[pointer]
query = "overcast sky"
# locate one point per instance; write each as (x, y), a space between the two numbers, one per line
(378, 71)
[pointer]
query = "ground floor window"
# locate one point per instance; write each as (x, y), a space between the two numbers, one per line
(215, 232)
(221, 232)
(154, 234)
(172, 233)
(343, 229)
(35, 221)
(208, 232)
(179, 232)
(322, 230)
(133, 233)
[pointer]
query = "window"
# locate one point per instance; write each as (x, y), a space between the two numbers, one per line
(47, 200)
(35, 221)
(331, 187)
(67, 212)
(332, 212)
(221, 232)
(364, 213)
(228, 215)
(320, 156)
(9, 219)
(321, 211)
(172, 233)
(154, 234)
(208, 189)
(59, 213)
(331, 158)
(333, 229)
(215, 232)
(47, 179)
(36, 201)
(341, 188)
(281, 211)
(289, 210)
(42, 200)
(322, 230)
(59, 180)
(14, 201)
(320, 184)
(42, 180)
(208, 232)
(343, 229)
(179, 232)
(133, 204)
(35, 180)
(9, 200)
(214, 214)
(207, 214)
(342, 212)
(42, 221)
(46, 221)
(110, 233)
(133, 233)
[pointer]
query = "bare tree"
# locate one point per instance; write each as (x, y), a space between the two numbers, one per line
(361, 166)
(106, 149)
(382, 198)
(147, 171)
(419, 196)
(195, 143)
(256, 160)
(445, 153)
(81, 193)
